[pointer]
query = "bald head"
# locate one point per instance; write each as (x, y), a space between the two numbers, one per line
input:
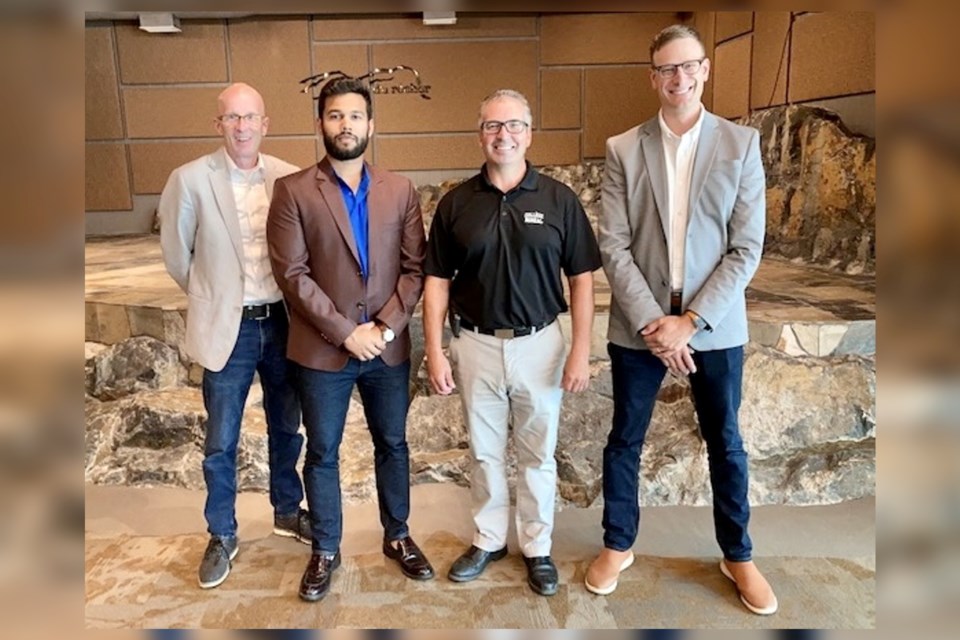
(242, 122)
(242, 92)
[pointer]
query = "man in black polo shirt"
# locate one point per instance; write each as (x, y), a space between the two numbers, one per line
(497, 246)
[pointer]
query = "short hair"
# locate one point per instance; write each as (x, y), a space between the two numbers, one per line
(505, 93)
(342, 86)
(671, 33)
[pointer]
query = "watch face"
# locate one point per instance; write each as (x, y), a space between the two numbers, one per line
(388, 335)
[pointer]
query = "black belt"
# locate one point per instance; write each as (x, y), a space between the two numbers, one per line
(516, 332)
(263, 311)
(676, 302)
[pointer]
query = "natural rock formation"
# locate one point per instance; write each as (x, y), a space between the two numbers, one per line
(808, 425)
(821, 188)
(137, 364)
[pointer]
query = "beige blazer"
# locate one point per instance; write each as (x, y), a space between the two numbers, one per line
(724, 239)
(203, 251)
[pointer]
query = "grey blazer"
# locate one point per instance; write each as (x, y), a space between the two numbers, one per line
(203, 251)
(724, 231)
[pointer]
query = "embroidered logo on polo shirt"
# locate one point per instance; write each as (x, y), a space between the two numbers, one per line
(533, 217)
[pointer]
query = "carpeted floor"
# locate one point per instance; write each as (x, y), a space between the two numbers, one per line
(143, 547)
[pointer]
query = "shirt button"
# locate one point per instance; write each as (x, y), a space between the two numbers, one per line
(360, 305)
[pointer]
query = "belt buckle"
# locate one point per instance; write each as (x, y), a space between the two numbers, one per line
(505, 334)
(266, 312)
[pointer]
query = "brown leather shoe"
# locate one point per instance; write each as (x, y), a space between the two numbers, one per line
(316, 578)
(408, 555)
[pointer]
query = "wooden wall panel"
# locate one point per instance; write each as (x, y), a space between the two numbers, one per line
(102, 97)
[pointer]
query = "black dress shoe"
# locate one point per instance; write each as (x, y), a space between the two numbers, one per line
(316, 578)
(471, 564)
(408, 555)
(542, 575)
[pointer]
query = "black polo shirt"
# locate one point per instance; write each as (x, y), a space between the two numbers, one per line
(504, 252)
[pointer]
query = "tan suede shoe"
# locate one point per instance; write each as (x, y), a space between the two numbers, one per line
(756, 594)
(604, 572)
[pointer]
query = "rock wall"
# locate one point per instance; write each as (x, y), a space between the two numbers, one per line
(821, 188)
(808, 425)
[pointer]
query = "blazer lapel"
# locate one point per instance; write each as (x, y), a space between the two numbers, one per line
(652, 145)
(329, 188)
(706, 152)
(223, 193)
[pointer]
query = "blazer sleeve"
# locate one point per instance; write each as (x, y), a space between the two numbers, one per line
(745, 231)
(615, 237)
(178, 228)
(398, 309)
(289, 258)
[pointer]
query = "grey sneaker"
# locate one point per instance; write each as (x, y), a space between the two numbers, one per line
(296, 525)
(215, 566)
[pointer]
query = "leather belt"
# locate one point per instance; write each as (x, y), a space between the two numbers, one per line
(262, 311)
(676, 302)
(506, 334)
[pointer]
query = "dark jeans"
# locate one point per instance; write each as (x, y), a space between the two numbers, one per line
(261, 348)
(637, 375)
(325, 396)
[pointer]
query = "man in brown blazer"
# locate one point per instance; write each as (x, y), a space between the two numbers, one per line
(347, 244)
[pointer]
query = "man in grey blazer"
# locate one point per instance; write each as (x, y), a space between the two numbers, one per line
(680, 237)
(213, 214)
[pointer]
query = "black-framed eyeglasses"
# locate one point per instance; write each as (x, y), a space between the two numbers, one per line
(235, 118)
(512, 126)
(689, 67)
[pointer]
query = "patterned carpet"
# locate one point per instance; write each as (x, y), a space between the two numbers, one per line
(149, 581)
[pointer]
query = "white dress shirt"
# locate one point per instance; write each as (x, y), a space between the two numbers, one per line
(250, 194)
(679, 152)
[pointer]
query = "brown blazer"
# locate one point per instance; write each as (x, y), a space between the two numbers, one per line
(315, 263)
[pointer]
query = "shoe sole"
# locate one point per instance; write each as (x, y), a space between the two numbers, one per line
(757, 610)
(217, 583)
(500, 555)
(286, 533)
(605, 591)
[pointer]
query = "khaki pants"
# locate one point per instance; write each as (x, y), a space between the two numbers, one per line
(515, 381)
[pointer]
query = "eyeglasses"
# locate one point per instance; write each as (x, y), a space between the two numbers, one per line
(689, 67)
(512, 126)
(234, 118)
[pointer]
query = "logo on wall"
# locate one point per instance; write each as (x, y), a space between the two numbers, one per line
(381, 81)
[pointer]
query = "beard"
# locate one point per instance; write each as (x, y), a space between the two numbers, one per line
(338, 153)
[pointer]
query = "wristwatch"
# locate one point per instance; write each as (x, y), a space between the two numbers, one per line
(698, 322)
(388, 334)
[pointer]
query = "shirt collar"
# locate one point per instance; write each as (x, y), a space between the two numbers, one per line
(691, 132)
(234, 169)
(529, 182)
(364, 181)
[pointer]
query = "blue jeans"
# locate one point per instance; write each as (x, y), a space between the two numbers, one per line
(261, 348)
(325, 396)
(716, 385)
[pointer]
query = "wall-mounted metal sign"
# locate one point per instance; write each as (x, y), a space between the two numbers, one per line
(381, 81)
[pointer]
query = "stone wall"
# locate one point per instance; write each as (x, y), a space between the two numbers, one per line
(808, 424)
(821, 188)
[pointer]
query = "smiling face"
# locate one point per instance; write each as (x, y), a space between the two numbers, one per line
(505, 149)
(681, 94)
(242, 136)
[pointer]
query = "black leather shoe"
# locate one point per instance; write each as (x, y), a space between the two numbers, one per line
(542, 575)
(316, 578)
(410, 558)
(471, 564)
